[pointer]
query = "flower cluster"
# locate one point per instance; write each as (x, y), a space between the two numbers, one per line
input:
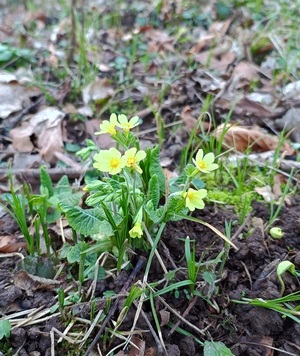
(121, 121)
(113, 161)
(204, 164)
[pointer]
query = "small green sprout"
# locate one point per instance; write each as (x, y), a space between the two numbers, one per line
(276, 233)
(285, 266)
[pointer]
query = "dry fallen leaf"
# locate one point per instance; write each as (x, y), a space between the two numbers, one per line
(242, 138)
(9, 243)
(45, 126)
(15, 95)
(140, 344)
(31, 283)
(98, 91)
(290, 122)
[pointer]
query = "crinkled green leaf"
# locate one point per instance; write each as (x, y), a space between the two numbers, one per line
(155, 168)
(74, 253)
(88, 221)
(212, 348)
(63, 186)
(176, 204)
(154, 214)
(153, 193)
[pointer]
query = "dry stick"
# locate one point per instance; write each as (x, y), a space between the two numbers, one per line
(185, 313)
(134, 272)
(155, 337)
(33, 175)
(241, 228)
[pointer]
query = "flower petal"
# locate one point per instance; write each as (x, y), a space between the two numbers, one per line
(113, 118)
(122, 119)
(199, 155)
(140, 155)
(209, 158)
(134, 121)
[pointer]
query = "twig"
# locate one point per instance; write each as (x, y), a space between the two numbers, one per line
(185, 313)
(160, 348)
(33, 175)
(134, 272)
(241, 228)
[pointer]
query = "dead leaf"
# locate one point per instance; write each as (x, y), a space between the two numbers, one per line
(165, 317)
(15, 96)
(9, 243)
(244, 107)
(290, 122)
(190, 121)
(98, 91)
(31, 283)
(151, 351)
(242, 138)
(266, 193)
(139, 348)
(45, 126)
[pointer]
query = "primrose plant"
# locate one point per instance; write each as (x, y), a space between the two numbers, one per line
(131, 201)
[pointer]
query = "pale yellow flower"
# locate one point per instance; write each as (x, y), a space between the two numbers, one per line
(136, 231)
(110, 161)
(126, 125)
(194, 198)
(108, 126)
(205, 163)
(133, 158)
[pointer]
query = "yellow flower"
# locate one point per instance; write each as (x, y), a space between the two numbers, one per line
(133, 157)
(136, 231)
(108, 126)
(110, 161)
(205, 163)
(194, 198)
(126, 125)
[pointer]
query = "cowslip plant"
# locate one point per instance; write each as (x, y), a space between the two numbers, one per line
(131, 201)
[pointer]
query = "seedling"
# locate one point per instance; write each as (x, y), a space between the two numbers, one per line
(285, 266)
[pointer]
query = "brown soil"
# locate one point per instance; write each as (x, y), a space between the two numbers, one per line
(249, 272)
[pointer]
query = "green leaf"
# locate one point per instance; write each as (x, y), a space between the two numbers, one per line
(212, 348)
(151, 166)
(6, 56)
(86, 152)
(46, 183)
(62, 186)
(5, 328)
(65, 250)
(66, 198)
(154, 215)
(153, 191)
(189, 169)
(75, 251)
(176, 205)
(88, 221)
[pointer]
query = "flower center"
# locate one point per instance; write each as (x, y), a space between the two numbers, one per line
(190, 195)
(114, 163)
(202, 164)
(131, 161)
